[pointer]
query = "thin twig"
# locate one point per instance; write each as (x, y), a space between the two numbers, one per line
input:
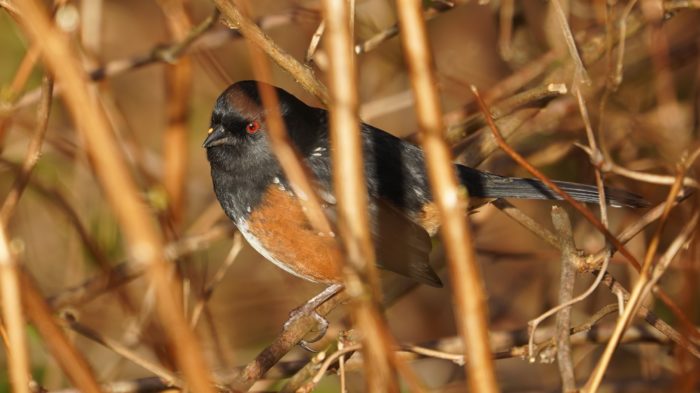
(678, 243)
(393, 30)
(129, 269)
(333, 358)
(168, 377)
(208, 290)
(33, 153)
(468, 293)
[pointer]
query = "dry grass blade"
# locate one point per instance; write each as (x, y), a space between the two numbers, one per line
(315, 40)
(468, 294)
(13, 318)
(143, 238)
(581, 72)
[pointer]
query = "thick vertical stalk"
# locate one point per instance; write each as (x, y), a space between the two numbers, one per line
(351, 192)
(468, 293)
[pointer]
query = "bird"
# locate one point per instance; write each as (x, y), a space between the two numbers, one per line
(253, 191)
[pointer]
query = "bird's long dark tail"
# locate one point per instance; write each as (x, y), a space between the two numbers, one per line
(487, 185)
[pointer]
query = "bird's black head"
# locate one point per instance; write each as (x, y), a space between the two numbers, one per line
(238, 125)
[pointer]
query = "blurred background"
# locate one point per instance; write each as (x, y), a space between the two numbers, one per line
(645, 118)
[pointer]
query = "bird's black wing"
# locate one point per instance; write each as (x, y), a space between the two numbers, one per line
(401, 245)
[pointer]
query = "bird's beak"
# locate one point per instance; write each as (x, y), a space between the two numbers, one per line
(216, 137)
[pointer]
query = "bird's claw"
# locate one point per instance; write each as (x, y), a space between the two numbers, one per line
(322, 324)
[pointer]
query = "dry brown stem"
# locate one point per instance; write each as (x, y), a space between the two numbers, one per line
(470, 305)
(392, 31)
(315, 40)
(562, 224)
(13, 318)
(178, 91)
(361, 277)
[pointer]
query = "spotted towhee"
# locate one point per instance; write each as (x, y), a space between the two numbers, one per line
(251, 187)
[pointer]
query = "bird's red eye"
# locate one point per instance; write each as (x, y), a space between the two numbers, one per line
(252, 127)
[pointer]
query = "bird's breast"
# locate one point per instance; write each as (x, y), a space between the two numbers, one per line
(279, 230)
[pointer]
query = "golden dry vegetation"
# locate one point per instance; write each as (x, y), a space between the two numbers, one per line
(110, 227)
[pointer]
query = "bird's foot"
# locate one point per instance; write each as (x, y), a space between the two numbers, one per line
(309, 309)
